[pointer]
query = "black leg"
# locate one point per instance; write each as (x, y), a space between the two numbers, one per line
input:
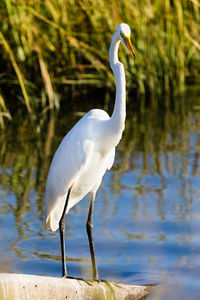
(62, 236)
(89, 227)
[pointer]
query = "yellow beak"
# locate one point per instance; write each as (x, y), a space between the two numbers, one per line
(129, 46)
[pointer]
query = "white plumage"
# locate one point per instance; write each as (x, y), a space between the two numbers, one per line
(81, 161)
(86, 152)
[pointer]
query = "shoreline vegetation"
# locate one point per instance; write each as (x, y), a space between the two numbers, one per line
(55, 47)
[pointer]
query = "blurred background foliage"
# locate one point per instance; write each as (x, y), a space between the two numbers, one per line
(53, 49)
(54, 54)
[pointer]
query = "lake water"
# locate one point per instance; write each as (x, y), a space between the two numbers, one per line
(147, 210)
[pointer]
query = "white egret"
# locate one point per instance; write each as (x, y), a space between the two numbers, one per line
(85, 153)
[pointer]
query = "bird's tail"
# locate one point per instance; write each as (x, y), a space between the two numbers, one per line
(48, 222)
(51, 223)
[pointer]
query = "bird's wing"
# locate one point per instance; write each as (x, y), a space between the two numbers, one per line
(69, 160)
(111, 158)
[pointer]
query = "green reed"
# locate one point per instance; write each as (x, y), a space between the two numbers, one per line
(49, 48)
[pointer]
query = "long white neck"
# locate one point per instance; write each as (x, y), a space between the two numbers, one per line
(119, 113)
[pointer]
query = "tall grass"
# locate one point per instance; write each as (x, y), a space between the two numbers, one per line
(48, 47)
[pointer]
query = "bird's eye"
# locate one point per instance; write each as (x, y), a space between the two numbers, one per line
(122, 35)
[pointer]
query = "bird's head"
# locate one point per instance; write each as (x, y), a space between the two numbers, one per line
(124, 33)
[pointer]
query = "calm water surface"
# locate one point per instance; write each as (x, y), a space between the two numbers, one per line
(147, 211)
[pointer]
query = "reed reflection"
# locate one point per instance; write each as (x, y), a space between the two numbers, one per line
(149, 198)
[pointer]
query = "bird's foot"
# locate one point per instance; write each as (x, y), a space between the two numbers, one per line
(88, 281)
(97, 279)
(71, 277)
